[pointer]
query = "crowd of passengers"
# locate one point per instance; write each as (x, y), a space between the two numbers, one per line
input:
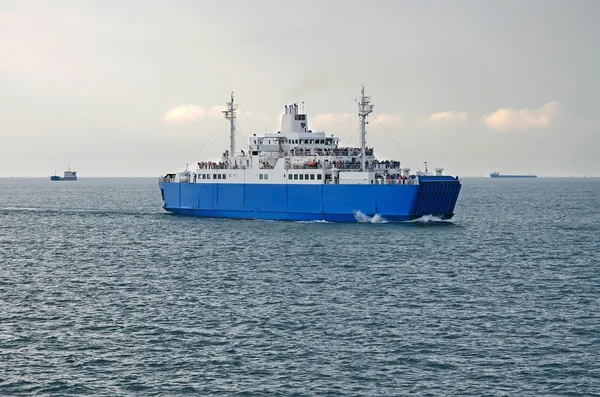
(394, 176)
(211, 165)
(371, 165)
(344, 151)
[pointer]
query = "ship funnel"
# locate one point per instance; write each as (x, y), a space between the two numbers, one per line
(292, 120)
(438, 171)
(406, 172)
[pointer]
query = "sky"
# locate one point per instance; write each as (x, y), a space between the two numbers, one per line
(135, 88)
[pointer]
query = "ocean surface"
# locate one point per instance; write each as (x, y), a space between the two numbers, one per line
(102, 293)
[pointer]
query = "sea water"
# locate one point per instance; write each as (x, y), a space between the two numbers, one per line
(102, 293)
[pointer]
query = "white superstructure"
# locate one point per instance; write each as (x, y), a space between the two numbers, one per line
(295, 154)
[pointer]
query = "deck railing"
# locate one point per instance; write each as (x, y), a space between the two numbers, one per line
(371, 182)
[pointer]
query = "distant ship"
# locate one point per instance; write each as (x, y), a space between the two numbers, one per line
(498, 175)
(68, 175)
(299, 175)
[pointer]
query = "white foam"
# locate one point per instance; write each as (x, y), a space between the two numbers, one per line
(362, 218)
(428, 219)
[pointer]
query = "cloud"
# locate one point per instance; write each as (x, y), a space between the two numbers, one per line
(187, 113)
(7, 17)
(216, 111)
(389, 118)
(449, 117)
(184, 114)
(315, 81)
(330, 119)
(504, 120)
(343, 119)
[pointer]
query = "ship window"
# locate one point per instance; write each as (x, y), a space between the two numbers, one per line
(319, 176)
(218, 176)
(266, 176)
(214, 176)
(312, 141)
(312, 177)
(301, 177)
(260, 176)
(295, 176)
(224, 176)
(290, 176)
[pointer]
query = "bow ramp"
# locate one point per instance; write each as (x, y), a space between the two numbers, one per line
(437, 195)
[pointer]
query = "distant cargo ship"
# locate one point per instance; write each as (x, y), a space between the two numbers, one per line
(68, 175)
(498, 175)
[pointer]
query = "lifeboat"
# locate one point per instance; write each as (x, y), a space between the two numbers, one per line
(311, 163)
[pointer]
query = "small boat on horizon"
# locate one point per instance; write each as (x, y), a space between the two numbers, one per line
(68, 175)
(498, 175)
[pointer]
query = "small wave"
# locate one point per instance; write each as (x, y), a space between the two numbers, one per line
(315, 221)
(362, 218)
(76, 211)
(430, 219)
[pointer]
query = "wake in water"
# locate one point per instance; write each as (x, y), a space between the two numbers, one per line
(430, 219)
(362, 218)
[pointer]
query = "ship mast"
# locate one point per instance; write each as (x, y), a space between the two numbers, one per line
(229, 114)
(364, 109)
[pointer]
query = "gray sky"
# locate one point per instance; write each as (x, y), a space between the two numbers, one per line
(135, 87)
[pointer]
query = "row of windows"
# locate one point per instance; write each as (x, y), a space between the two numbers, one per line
(305, 177)
(327, 141)
(302, 177)
(214, 176)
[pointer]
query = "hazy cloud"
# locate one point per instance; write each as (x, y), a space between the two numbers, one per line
(330, 119)
(187, 113)
(449, 117)
(313, 82)
(389, 118)
(504, 120)
(216, 111)
(184, 114)
(7, 17)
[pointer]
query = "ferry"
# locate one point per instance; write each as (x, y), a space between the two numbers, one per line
(296, 174)
(498, 175)
(68, 175)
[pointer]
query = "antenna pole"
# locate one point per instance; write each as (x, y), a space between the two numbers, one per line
(364, 109)
(230, 115)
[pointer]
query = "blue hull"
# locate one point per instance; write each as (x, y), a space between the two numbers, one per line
(435, 196)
